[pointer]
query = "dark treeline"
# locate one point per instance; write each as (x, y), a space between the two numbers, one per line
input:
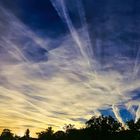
(97, 128)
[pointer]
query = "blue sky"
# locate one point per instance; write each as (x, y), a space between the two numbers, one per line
(63, 61)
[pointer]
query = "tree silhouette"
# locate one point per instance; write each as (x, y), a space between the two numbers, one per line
(138, 124)
(68, 127)
(27, 134)
(131, 125)
(7, 135)
(59, 135)
(96, 128)
(104, 123)
(17, 137)
(46, 135)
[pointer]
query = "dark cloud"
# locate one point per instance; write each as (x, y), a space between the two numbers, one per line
(82, 120)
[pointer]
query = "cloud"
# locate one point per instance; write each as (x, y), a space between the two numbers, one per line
(66, 84)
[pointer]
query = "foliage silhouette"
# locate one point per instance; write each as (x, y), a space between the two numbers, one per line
(134, 126)
(59, 135)
(46, 135)
(96, 128)
(6, 135)
(104, 123)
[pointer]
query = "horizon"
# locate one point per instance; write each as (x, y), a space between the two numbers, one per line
(93, 123)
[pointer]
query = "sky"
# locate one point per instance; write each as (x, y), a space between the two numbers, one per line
(63, 61)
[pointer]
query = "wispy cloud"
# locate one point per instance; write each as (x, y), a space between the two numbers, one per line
(39, 87)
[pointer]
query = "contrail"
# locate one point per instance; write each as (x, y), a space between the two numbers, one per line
(131, 110)
(117, 114)
(137, 113)
(136, 65)
(19, 32)
(85, 28)
(84, 47)
(63, 13)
